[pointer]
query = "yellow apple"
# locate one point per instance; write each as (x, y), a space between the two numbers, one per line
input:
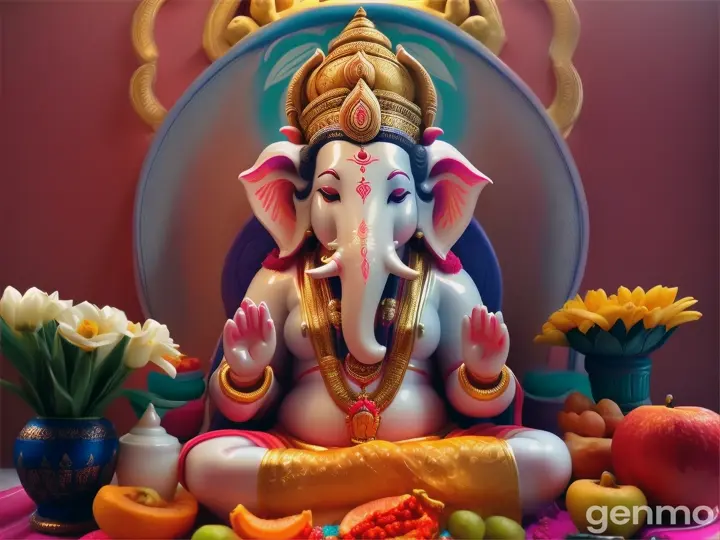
(605, 508)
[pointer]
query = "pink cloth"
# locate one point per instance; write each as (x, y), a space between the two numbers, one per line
(15, 510)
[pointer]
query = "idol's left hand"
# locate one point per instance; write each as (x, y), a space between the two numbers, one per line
(485, 343)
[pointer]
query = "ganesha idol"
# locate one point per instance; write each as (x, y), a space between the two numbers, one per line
(363, 337)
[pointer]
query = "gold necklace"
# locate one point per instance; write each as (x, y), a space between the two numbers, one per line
(362, 408)
(362, 374)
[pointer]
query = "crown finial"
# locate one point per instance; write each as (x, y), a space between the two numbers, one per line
(360, 29)
(361, 88)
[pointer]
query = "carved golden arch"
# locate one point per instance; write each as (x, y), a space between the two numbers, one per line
(479, 18)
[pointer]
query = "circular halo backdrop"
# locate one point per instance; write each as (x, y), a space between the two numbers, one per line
(190, 205)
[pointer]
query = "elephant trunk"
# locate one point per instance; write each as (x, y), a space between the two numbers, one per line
(363, 282)
(363, 264)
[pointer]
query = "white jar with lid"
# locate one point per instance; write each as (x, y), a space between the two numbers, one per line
(148, 457)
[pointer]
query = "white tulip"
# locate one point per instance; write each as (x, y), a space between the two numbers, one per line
(90, 327)
(151, 343)
(30, 311)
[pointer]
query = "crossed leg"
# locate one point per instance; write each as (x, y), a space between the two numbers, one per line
(223, 471)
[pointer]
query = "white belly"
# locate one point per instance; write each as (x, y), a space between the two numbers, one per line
(309, 412)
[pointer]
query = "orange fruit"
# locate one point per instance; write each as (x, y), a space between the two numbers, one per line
(361, 513)
(590, 455)
(611, 413)
(247, 525)
(591, 425)
(136, 513)
(577, 403)
(406, 516)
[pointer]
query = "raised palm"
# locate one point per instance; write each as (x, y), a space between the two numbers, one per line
(249, 340)
(486, 342)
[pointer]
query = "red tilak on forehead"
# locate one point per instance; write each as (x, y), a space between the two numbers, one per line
(363, 158)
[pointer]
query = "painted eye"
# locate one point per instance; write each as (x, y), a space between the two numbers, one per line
(398, 195)
(329, 194)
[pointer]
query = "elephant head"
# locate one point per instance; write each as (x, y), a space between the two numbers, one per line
(364, 203)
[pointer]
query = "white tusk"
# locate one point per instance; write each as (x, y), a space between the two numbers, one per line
(395, 266)
(331, 269)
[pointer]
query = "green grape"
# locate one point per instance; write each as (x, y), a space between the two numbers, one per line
(466, 525)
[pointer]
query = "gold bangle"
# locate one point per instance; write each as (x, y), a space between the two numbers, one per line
(483, 394)
(231, 392)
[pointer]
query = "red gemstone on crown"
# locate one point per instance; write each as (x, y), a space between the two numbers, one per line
(361, 115)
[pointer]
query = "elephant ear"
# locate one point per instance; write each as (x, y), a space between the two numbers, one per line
(272, 187)
(455, 185)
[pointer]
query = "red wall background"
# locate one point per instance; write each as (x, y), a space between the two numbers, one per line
(647, 145)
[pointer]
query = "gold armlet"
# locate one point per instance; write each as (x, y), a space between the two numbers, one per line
(230, 390)
(483, 394)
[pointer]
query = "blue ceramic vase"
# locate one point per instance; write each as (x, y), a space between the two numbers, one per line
(624, 380)
(62, 463)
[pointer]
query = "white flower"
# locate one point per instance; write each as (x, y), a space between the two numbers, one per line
(29, 311)
(151, 343)
(90, 327)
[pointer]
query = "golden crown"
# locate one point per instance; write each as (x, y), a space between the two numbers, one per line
(361, 88)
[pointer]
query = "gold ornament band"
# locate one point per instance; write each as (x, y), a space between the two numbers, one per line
(361, 88)
(232, 392)
(483, 394)
(463, 472)
(315, 299)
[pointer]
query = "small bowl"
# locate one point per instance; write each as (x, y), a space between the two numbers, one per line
(184, 387)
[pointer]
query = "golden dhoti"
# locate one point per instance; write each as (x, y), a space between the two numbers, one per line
(471, 472)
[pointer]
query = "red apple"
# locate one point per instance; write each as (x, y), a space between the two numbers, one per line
(671, 453)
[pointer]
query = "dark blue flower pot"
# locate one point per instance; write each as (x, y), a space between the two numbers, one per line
(62, 463)
(624, 380)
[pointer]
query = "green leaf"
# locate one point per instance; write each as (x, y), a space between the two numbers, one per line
(17, 349)
(635, 340)
(20, 349)
(72, 354)
(593, 332)
(618, 331)
(51, 377)
(40, 406)
(109, 367)
(104, 376)
(62, 400)
(653, 339)
(24, 395)
(607, 345)
(98, 408)
(50, 331)
(43, 359)
(578, 341)
(80, 388)
(57, 361)
(667, 335)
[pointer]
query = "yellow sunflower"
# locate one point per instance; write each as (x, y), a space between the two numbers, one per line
(656, 307)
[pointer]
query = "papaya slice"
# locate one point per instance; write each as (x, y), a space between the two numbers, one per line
(247, 525)
(137, 513)
(405, 516)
